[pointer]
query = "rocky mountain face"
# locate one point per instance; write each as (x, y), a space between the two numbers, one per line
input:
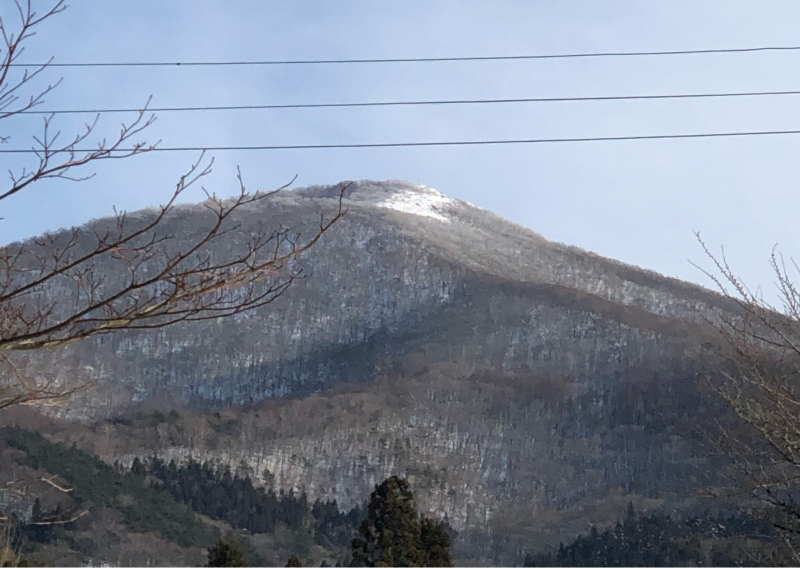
(527, 388)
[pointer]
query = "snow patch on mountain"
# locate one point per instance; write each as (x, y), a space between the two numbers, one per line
(422, 200)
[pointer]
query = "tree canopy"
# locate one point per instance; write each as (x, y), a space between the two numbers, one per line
(226, 552)
(394, 533)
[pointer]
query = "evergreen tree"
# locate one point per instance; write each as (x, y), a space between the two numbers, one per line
(226, 553)
(294, 560)
(137, 468)
(36, 515)
(37, 532)
(435, 543)
(390, 535)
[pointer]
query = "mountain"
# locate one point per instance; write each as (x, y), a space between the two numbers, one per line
(403, 253)
(527, 388)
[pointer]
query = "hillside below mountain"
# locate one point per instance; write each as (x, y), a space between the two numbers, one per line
(528, 389)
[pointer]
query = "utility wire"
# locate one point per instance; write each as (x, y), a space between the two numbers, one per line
(411, 144)
(415, 103)
(408, 60)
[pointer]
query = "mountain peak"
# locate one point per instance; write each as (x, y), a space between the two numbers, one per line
(419, 200)
(400, 195)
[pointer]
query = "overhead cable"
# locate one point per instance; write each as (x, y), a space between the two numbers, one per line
(413, 144)
(414, 103)
(408, 59)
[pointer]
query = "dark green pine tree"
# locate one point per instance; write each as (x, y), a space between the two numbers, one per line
(390, 535)
(36, 515)
(294, 560)
(226, 553)
(435, 543)
(38, 532)
(137, 468)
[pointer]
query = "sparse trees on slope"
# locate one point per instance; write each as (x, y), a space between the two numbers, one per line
(763, 347)
(159, 282)
(393, 535)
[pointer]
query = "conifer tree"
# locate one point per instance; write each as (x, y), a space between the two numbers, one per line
(294, 560)
(226, 552)
(435, 543)
(137, 468)
(390, 535)
(393, 534)
(36, 515)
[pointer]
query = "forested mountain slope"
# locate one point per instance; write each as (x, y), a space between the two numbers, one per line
(528, 389)
(402, 253)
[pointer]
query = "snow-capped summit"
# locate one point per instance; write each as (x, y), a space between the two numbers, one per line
(421, 200)
(400, 195)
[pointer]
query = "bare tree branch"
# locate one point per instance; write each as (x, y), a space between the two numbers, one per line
(10, 543)
(133, 276)
(762, 346)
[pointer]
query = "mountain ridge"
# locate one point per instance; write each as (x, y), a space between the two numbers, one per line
(513, 379)
(379, 268)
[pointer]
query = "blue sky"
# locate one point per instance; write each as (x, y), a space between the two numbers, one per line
(638, 202)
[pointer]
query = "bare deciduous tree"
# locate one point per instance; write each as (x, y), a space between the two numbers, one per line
(157, 283)
(10, 545)
(762, 345)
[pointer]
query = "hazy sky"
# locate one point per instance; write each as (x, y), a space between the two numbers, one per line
(638, 202)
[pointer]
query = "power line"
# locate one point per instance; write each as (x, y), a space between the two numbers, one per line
(416, 103)
(410, 59)
(417, 144)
